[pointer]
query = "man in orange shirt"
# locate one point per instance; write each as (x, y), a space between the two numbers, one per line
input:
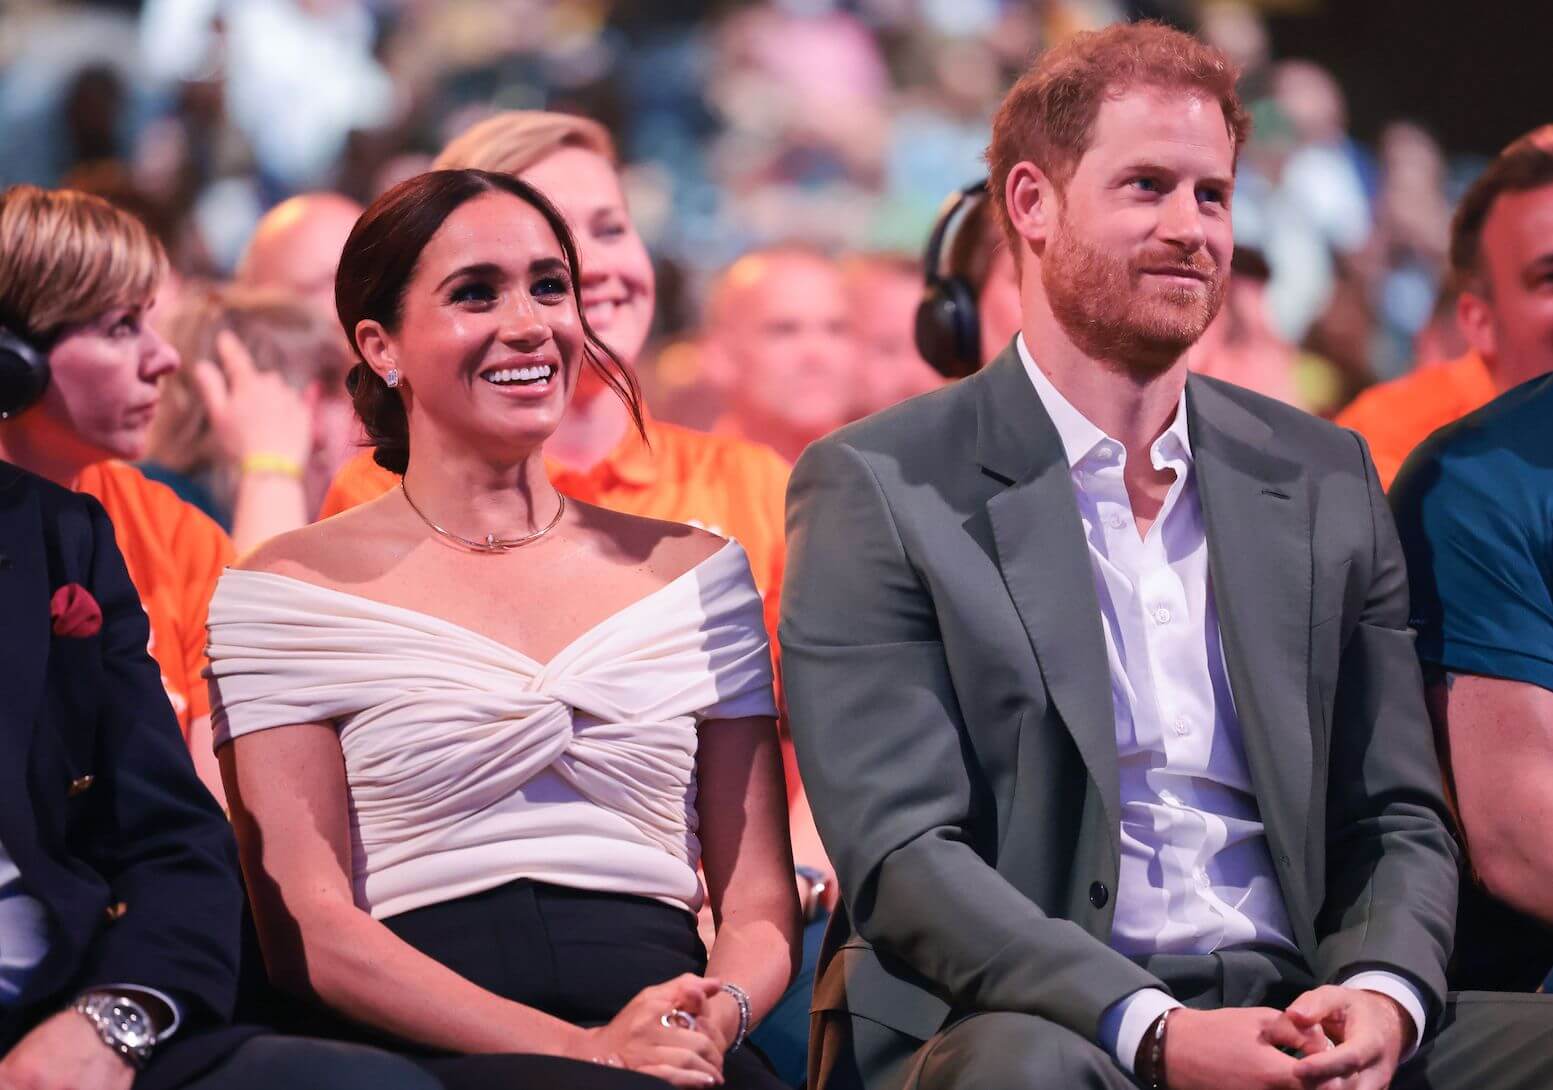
(1502, 258)
(79, 371)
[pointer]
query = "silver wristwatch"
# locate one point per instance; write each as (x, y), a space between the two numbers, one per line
(121, 1022)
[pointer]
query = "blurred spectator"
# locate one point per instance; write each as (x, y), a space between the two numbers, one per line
(77, 278)
(256, 424)
(296, 248)
(1241, 346)
(299, 75)
(1409, 248)
(979, 257)
(883, 290)
(780, 349)
(1501, 257)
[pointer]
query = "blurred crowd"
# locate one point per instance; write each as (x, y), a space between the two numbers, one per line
(837, 124)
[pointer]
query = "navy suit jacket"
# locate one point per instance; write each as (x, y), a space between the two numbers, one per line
(100, 808)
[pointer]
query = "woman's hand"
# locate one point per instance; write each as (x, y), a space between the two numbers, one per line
(254, 412)
(637, 1039)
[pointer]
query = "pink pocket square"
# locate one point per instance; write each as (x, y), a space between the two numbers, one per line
(75, 612)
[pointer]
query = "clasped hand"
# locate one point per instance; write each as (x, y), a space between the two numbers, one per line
(1331, 1038)
(638, 1039)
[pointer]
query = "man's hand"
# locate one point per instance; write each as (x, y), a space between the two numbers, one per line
(1209, 1050)
(64, 1053)
(1371, 1031)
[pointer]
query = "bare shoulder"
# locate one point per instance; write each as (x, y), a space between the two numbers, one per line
(662, 550)
(320, 552)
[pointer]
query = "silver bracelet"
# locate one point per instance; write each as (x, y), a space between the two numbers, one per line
(741, 997)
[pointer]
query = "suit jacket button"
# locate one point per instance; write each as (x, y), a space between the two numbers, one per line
(80, 785)
(116, 911)
(1098, 894)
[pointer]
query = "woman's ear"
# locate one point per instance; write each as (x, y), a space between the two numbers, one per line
(377, 347)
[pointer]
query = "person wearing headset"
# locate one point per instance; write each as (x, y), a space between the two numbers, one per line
(80, 368)
(970, 305)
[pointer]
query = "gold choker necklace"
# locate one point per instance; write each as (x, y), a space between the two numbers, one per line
(492, 543)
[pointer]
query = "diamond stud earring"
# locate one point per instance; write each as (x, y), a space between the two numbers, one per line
(392, 378)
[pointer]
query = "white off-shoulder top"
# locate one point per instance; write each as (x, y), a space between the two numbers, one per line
(468, 763)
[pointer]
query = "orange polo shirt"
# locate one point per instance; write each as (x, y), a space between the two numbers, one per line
(174, 554)
(1396, 416)
(727, 485)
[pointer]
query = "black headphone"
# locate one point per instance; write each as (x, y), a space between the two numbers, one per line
(948, 328)
(24, 373)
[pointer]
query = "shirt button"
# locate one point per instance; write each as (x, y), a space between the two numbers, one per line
(1098, 894)
(1106, 452)
(1162, 615)
(1182, 727)
(1200, 876)
(1115, 522)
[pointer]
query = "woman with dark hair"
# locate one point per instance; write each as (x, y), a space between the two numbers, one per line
(478, 738)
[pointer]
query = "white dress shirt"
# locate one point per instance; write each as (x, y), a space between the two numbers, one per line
(24, 931)
(1196, 874)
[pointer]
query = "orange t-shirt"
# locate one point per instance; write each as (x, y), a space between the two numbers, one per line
(174, 554)
(1396, 416)
(730, 486)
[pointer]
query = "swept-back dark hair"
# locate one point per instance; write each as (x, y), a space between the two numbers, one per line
(378, 263)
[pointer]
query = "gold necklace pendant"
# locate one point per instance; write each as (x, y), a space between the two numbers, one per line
(492, 543)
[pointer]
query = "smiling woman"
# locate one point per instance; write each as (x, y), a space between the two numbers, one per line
(479, 739)
(409, 230)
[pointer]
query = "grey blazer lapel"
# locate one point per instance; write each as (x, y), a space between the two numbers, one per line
(1044, 560)
(1256, 506)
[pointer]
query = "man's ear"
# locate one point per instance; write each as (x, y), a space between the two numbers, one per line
(1475, 316)
(377, 347)
(1031, 199)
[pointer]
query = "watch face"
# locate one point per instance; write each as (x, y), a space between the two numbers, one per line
(130, 1026)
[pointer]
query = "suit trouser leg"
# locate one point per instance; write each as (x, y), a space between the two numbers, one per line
(1486, 1041)
(1006, 1051)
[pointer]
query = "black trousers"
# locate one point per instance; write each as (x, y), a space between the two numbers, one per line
(576, 955)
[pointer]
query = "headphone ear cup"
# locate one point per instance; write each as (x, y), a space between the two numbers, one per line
(948, 328)
(24, 374)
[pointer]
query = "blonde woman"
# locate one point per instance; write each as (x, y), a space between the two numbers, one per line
(81, 376)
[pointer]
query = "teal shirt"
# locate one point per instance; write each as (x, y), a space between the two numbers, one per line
(1474, 508)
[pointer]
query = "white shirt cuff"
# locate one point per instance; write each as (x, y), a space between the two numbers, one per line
(1394, 987)
(1125, 1022)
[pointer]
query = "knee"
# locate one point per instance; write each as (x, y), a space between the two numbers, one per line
(1007, 1051)
(301, 1063)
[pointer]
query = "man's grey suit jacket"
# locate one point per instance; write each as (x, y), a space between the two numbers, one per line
(950, 699)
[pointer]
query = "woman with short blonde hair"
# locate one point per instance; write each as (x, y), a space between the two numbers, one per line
(81, 371)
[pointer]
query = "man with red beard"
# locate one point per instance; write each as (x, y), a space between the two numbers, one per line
(1100, 675)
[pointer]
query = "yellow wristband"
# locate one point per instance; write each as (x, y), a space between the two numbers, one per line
(277, 464)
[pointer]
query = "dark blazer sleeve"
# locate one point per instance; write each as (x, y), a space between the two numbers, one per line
(1391, 862)
(153, 832)
(882, 747)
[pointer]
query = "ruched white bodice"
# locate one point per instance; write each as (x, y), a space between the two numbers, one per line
(470, 764)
